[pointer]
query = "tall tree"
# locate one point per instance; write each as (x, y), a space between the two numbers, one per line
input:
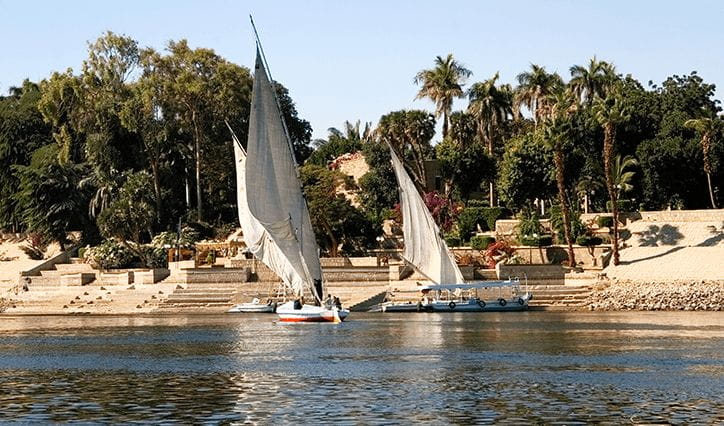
(409, 133)
(534, 90)
(491, 106)
(557, 132)
(442, 84)
(592, 81)
(22, 131)
(199, 89)
(707, 128)
(610, 112)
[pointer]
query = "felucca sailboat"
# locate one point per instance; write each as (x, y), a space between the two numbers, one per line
(427, 252)
(279, 228)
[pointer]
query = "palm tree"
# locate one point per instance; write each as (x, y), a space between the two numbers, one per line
(593, 81)
(707, 128)
(442, 84)
(534, 88)
(611, 111)
(557, 131)
(622, 176)
(491, 106)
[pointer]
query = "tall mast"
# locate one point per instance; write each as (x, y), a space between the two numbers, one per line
(260, 48)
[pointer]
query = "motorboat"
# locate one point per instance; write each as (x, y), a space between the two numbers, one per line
(484, 296)
(255, 306)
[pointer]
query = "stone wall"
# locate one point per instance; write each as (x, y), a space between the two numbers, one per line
(655, 296)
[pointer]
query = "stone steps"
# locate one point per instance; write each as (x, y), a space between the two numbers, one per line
(195, 299)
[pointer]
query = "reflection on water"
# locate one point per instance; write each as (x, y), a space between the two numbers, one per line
(504, 368)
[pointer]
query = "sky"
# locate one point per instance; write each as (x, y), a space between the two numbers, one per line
(356, 60)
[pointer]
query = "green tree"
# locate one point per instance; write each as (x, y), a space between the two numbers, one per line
(22, 131)
(130, 216)
(464, 167)
(610, 112)
(622, 173)
(557, 135)
(339, 143)
(200, 89)
(409, 133)
(593, 81)
(442, 84)
(526, 171)
(707, 128)
(534, 90)
(491, 106)
(337, 223)
(48, 195)
(378, 187)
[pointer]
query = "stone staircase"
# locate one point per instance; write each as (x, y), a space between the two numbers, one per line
(559, 296)
(64, 274)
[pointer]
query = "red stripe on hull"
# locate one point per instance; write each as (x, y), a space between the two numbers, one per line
(312, 319)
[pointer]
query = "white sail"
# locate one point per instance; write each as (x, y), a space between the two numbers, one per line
(274, 194)
(424, 248)
(255, 236)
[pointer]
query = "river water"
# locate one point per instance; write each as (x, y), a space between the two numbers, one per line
(531, 367)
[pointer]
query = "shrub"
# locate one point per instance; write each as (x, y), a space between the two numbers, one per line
(168, 238)
(577, 227)
(109, 255)
(481, 242)
(589, 240)
(35, 247)
(537, 240)
(472, 217)
(529, 224)
(154, 257)
(452, 241)
(478, 203)
(605, 221)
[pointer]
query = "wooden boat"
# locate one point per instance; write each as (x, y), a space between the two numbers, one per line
(272, 209)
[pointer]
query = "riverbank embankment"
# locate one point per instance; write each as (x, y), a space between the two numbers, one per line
(676, 295)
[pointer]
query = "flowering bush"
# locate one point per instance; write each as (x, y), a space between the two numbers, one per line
(108, 255)
(168, 238)
(500, 251)
(443, 210)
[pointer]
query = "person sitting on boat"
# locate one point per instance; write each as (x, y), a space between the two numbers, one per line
(297, 304)
(328, 302)
(337, 302)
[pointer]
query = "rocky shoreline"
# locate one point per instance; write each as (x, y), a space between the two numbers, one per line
(676, 295)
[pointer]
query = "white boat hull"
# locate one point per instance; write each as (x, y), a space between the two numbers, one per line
(474, 305)
(310, 313)
(403, 307)
(257, 308)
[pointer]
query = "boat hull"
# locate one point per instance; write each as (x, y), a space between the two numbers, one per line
(404, 307)
(252, 308)
(310, 313)
(472, 305)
